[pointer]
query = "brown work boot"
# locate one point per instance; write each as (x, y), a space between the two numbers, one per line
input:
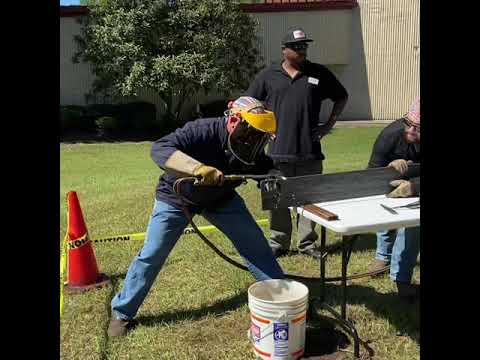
(407, 291)
(119, 327)
(378, 267)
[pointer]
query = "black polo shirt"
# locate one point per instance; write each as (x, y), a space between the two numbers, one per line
(391, 145)
(296, 103)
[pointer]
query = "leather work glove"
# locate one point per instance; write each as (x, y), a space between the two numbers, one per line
(183, 165)
(404, 188)
(208, 175)
(400, 165)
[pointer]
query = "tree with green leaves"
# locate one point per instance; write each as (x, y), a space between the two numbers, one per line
(175, 48)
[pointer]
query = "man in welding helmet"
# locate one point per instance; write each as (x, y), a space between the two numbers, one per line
(206, 149)
(250, 127)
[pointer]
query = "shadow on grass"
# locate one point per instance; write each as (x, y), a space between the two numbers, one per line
(116, 277)
(114, 288)
(363, 242)
(322, 337)
(218, 308)
(405, 317)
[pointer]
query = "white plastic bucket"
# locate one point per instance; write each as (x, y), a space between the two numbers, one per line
(278, 310)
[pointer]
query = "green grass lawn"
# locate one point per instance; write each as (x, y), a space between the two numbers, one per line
(197, 308)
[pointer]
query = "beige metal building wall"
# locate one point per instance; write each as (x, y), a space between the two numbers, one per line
(331, 31)
(75, 79)
(390, 32)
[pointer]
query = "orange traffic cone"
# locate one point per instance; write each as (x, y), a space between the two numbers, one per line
(83, 272)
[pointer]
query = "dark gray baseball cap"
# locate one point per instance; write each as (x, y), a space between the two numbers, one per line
(294, 35)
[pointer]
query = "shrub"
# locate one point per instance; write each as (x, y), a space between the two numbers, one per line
(119, 119)
(213, 108)
(107, 125)
(141, 115)
(72, 118)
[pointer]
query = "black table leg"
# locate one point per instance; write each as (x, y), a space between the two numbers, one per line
(351, 242)
(347, 247)
(348, 326)
(322, 262)
(344, 277)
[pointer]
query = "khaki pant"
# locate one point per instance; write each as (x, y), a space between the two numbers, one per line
(280, 219)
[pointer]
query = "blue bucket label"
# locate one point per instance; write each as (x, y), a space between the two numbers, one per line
(280, 339)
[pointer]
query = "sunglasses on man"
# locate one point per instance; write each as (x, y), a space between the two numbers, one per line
(297, 46)
(409, 124)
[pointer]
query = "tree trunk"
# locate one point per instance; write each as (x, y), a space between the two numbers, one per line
(167, 98)
(182, 95)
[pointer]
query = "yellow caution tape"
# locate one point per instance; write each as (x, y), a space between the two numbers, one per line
(141, 236)
(63, 270)
(137, 236)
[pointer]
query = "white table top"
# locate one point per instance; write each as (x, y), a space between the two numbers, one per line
(361, 215)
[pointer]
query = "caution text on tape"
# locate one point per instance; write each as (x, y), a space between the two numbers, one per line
(141, 236)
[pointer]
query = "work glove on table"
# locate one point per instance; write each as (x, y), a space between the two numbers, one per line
(400, 165)
(183, 165)
(403, 188)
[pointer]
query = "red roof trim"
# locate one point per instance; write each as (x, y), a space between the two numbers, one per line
(300, 6)
(71, 11)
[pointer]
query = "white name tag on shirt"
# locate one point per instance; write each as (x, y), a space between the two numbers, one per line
(313, 80)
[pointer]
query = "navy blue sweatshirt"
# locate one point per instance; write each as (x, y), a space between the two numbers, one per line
(391, 145)
(204, 140)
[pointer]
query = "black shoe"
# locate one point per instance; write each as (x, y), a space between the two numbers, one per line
(311, 252)
(279, 252)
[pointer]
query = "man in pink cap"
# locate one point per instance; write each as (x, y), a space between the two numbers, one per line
(397, 146)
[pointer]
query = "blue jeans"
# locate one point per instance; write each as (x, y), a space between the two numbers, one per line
(400, 248)
(165, 227)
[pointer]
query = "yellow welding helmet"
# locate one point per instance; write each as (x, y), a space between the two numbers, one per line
(254, 112)
(265, 122)
(253, 131)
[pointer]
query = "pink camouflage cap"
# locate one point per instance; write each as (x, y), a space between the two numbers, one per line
(414, 112)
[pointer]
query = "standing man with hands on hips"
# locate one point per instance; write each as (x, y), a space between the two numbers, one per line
(294, 90)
